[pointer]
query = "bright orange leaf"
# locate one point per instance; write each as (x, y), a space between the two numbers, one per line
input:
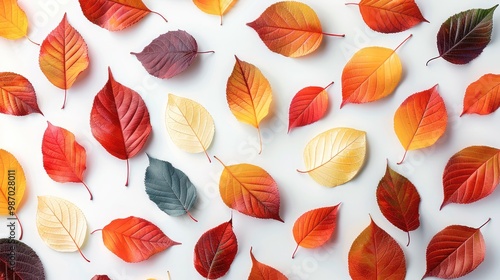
(63, 56)
(13, 20)
(483, 96)
(262, 271)
(420, 120)
(215, 7)
(290, 28)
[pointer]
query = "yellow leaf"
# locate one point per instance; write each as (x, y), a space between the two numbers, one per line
(13, 20)
(61, 224)
(190, 125)
(335, 156)
(215, 7)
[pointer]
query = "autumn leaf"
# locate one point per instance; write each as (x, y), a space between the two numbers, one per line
(215, 7)
(371, 74)
(248, 94)
(17, 95)
(115, 15)
(12, 187)
(463, 36)
(63, 56)
(471, 174)
(420, 120)
(390, 16)
(61, 224)
(27, 264)
(399, 201)
(100, 277)
(290, 28)
(374, 254)
(262, 271)
(135, 239)
(250, 190)
(119, 120)
(335, 156)
(169, 188)
(13, 20)
(190, 125)
(482, 96)
(308, 106)
(315, 227)
(214, 252)
(455, 251)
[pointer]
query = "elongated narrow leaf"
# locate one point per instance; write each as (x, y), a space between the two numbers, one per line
(315, 227)
(63, 56)
(463, 36)
(18, 261)
(115, 15)
(135, 239)
(61, 224)
(420, 120)
(17, 95)
(471, 174)
(399, 201)
(374, 254)
(262, 271)
(335, 156)
(13, 20)
(190, 125)
(215, 7)
(215, 251)
(119, 120)
(248, 94)
(169, 187)
(390, 16)
(250, 190)
(483, 96)
(308, 105)
(454, 252)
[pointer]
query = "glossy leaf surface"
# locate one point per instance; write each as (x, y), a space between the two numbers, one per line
(17, 95)
(308, 106)
(215, 7)
(482, 97)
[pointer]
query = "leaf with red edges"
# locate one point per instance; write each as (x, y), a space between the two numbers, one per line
(215, 251)
(17, 95)
(483, 96)
(308, 105)
(262, 271)
(100, 277)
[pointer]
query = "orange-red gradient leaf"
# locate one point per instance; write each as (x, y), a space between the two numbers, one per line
(17, 95)
(315, 227)
(308, 105)
(454, 252)
(471, 174)
(262, 271)
(420, 120)
(399, 201)
(63, 56)
(135, 239)
(64, 159)
(374, 254)
(215, 251)
(289, 28)
(250, 190)
(483, 96)
(215, 7)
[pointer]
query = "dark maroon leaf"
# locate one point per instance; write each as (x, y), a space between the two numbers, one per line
(18, 261)
(100, 277)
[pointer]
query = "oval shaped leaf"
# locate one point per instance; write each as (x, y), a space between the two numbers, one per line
(308, 105)
(315, 227)
(483, 96)
(26, 265)
(335, 156)
(61, 224)
(262, 271)
(100, 277)
(374, 254)
(215, 251)
(63, 56)
(248, 94)
(420, 120)
(135, 239)
(119, 120)
(215, 7)
(17, 95)
(13, 20)
(250, 190)
(463, 36)
(190, 125)
(169, 188)
(471, 174)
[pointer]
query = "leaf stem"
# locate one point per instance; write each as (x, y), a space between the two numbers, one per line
(99, 229)
(29, 39)
(160, 15)
(404, 41)
(191, 216)
(295, 251)
(208, 157)
(329, 85)
(300, 171)
(260, 139)
(206, 52)
(333, 34)
(489, 219)
(168, 275)
(128, 173)
(221, 20)
(81, 253)
(220, 162)
(404, 156)
(427, 63)
(347, 4)
(64, 101)
(90, 193)
(408, 234)
(20, 226)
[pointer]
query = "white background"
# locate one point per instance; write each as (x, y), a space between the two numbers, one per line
(235, 142)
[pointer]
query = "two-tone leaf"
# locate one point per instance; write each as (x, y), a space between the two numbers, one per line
(482, 97)
(26, 264)
(308, 106)
(17, 95)
(262, 271)
(215, 7)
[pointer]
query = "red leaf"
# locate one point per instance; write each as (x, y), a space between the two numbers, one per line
(471, 174)
(100, 277)
(455, 251)
(483, 96)
(399, 201)
(308, 105)
(17, 95)
(262, 271)
(215, 251)
(64, 159)
(120, 120)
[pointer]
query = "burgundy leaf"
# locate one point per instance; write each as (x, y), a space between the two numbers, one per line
(26, 265)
